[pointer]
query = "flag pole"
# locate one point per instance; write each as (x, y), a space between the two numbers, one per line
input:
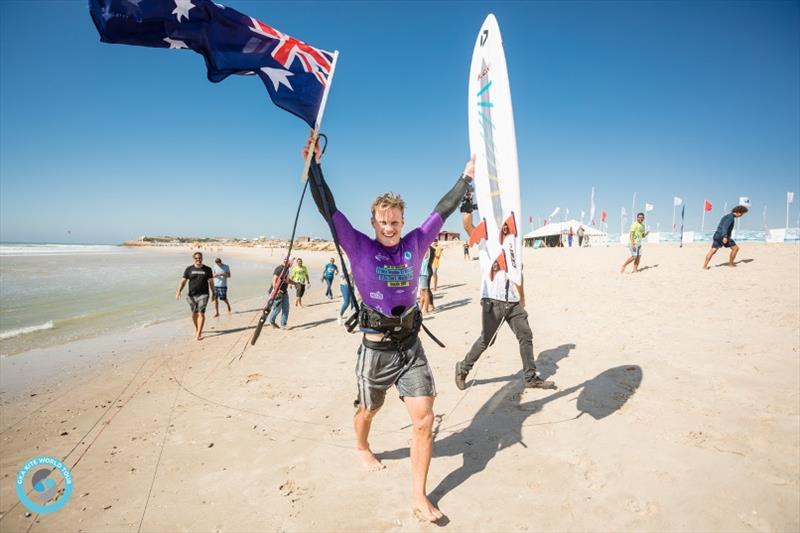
(318, 121)
(787, 210)
(703, 219)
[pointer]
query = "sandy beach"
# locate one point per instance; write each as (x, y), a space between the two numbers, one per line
(678, 408)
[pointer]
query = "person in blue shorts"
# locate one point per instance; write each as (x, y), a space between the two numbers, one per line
(722, 237)
(221, 274)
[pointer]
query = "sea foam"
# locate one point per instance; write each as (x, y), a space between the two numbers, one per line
(24, 331)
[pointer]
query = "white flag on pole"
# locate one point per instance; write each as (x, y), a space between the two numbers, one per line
(555, 212)
(677, 201)
(591, 210)
(789, 197)
(624, 213)
(744, 200)
(649, 207)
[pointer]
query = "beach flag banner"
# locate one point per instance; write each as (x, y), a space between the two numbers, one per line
(603, 216)
(591, 208)
(683, 210)
(676, 201)
(554, 213)
(648, 207)
(706, 207)
(583, 215)
(789, 200)
(296, 74)
(744, 201)
(633, 204)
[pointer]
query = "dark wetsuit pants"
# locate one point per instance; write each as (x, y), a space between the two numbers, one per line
(516, 317)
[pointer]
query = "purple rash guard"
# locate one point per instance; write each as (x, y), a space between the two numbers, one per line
(387, 278)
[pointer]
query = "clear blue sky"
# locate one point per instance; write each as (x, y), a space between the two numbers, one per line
(695, 99)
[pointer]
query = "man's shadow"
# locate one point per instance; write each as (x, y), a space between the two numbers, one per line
(739, 262)
(498, 423)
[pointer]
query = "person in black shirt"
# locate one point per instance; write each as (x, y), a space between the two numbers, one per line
(281, 303)
(201, 284)
(722, 237)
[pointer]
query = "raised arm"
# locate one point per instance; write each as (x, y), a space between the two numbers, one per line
(449, 202)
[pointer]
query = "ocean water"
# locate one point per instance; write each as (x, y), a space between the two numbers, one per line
(51, 294)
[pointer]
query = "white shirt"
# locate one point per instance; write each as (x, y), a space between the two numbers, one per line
(496, 289)
(220, 281)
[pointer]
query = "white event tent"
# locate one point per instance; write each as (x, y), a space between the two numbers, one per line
(555, 233)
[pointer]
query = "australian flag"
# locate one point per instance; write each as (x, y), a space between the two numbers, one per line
(231, 42)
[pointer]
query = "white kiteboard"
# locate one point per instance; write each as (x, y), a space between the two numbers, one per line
(492, 140)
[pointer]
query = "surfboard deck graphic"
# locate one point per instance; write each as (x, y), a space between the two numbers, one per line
(493, 141)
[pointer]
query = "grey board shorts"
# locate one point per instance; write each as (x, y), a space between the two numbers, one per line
(198, 303)
(378, 370)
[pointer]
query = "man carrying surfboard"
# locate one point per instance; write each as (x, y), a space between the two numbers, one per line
(502, 300)
(387, 269)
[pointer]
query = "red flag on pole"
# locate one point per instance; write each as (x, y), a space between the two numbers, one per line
(707, 206)
(530, 219)
(603, 216)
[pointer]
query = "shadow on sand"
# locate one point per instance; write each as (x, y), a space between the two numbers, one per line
(219, 332)
(498, 423)
(452, 305)
(739, 262)
(309, 325)
(647, 267)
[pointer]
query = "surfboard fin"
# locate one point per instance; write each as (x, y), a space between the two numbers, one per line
(509, 228)
(478, 233)
(499, 264)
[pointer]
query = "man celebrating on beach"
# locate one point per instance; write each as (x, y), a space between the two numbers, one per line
(635, 237)
(722, 237)
(502, 300)
(387, 269)
(221, 274)
(201, 284)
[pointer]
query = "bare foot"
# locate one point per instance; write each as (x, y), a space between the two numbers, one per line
(732, 265)
(216, 315)
(370, 461)
(199, 338)
(425, 511)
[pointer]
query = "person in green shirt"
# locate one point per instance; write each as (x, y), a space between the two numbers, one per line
(299, 275)
(635, 237)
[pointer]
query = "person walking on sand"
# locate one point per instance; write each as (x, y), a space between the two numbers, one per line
(299, 274)
(569, 236)
(425, 295)
(722, 237)
(466, 251)
(328, 274)
(387, 268)
(581, 233)
(281, 305)
(502, 300)
(201, 284)
(635, 237)
(348, 298)
(221, 274)
(437, 259)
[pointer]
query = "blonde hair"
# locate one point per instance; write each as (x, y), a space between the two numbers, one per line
(388, 201)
